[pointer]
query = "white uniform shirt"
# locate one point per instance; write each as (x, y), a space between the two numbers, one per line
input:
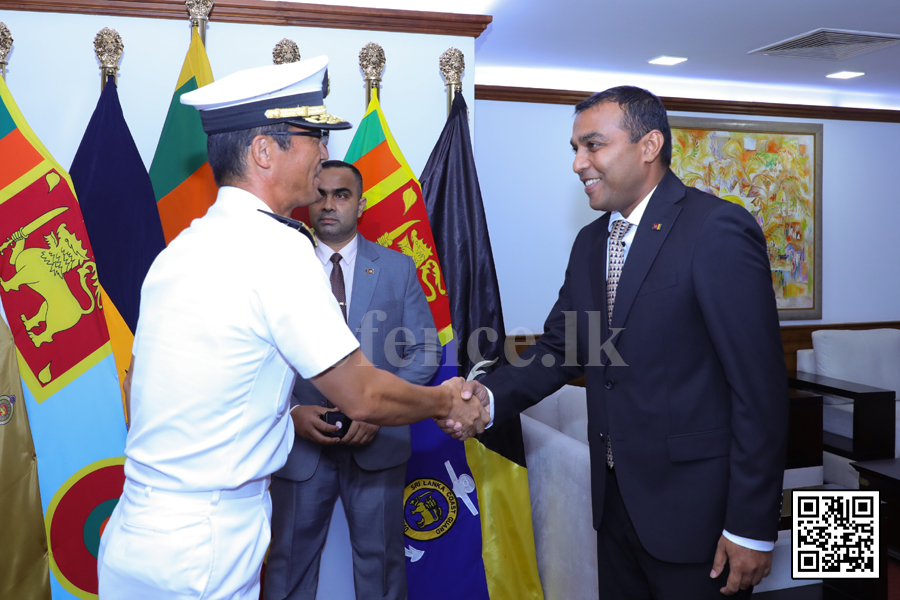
(348, 264)
(227, 309)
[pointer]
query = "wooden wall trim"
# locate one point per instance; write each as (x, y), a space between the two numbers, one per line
(793, 337)
(273, 13)
(760, 109)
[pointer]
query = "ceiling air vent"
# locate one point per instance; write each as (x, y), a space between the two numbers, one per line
(830, 44)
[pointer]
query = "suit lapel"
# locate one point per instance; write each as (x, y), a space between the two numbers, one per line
(363, 282)
(662, 209)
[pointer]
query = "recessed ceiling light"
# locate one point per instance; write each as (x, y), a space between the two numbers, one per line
(667, 60)
(845, 75)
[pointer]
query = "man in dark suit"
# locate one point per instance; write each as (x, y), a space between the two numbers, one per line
(367, 466)
(667, 309)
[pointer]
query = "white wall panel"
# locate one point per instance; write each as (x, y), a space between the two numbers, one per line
(535, 207)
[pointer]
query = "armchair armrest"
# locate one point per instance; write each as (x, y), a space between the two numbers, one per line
(873, 415)
(559, 480)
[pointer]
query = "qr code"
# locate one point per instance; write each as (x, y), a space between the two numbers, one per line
(835, 534)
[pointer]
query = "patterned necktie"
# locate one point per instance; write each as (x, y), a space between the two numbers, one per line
(616, 261)
(614, 271)
(337, 283)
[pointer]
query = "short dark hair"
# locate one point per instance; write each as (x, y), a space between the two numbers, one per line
(228, 151)
(339, 164)
(643, 110)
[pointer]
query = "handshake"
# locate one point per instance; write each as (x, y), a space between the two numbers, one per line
(470, 410)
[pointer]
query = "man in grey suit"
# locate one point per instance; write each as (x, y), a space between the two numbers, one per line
(366, 467)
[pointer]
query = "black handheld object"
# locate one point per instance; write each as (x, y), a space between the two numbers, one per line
(333, 418)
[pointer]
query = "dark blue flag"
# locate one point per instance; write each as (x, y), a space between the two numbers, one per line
(118, 205)
(456, 211)
(453, 200)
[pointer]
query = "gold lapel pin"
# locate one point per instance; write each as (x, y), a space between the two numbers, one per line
(370, 271)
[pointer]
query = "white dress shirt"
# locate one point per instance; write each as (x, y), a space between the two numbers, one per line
(348, 264)
(635, 219)
(229, 310)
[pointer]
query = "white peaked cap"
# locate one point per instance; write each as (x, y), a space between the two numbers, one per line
(288, 93)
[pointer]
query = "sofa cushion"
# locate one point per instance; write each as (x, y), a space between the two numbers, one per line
(806, 361)
(572, 404)
(870, 357)
(546, 411)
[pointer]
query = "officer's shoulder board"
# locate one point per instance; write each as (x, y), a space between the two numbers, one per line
(298, 225)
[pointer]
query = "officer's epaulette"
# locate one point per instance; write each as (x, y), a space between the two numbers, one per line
(298, 225)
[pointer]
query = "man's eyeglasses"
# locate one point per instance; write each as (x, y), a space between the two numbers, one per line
(321, 134)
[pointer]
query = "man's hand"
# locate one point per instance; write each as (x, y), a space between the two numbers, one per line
(468, 390)
(747, 567)
(309, 425)
(455, 424)
(359, 434)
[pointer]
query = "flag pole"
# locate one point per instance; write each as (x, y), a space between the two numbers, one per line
(6, 42)
(199, 14)
(108, 47)
(371, 61)
(285, 51)
(452, 64)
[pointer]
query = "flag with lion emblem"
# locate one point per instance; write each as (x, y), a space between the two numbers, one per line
(51, 299)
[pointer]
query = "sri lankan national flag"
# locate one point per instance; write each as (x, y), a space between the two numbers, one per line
(52, 302)
(182, 179)
(443, 528)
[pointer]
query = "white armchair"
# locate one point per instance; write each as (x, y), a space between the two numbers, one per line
(868, 357)
(559, 481)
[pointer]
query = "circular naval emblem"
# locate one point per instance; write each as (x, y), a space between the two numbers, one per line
(7, 404)
(430, 509)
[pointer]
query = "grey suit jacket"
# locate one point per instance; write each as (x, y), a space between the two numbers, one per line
(386, 297)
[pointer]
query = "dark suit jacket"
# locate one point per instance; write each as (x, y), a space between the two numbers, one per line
(698, 417)
(382, 301)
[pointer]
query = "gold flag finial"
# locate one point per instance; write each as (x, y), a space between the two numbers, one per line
(452, 64)
(198, 10)
(285, 51)
(6, 42)
(108, 47)
(372, 61)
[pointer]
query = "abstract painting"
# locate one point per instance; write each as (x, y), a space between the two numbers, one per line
(774, 170)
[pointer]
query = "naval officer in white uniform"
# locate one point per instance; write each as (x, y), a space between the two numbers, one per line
(230, 311)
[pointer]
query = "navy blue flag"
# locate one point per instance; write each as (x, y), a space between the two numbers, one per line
(118, 205)
(453, 200)
(456, 211)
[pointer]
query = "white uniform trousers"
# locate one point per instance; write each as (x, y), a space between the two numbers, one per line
(201, 545)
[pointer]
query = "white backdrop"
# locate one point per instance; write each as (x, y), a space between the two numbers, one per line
(55, 78)
(535, 206)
